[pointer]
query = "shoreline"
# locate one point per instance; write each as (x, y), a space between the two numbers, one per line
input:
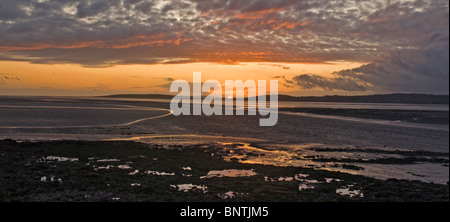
(132, 171)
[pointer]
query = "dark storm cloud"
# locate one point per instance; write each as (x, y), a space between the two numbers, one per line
(423, 70)
(308, 81)
(419, 64)
(92, 8)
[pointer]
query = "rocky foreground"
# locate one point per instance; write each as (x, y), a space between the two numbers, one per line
(130, 171)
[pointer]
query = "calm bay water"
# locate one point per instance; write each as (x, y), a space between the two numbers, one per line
(291, 142)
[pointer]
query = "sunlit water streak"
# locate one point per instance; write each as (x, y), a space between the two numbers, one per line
(122, 108)
(374, 121)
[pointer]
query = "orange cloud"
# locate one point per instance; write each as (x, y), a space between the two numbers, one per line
(138, 40)
(37, 46)
(236, 57)
(285, 25)
(258, 14)
(143, 40)
(215, 22)
(256, 53)
(237, 54)
(306, 23)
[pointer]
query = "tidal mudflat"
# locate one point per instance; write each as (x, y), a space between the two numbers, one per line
(103, 149)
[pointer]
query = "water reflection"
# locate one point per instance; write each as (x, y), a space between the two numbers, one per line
(350, 191)
(157, 173)
(230, 173)
(189, 187)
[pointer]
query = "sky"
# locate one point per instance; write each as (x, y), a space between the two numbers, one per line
(312, 47)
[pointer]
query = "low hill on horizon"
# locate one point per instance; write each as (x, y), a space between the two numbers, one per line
(140, 96)
(412, 98)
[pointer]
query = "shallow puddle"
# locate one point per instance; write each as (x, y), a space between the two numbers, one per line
(307, 184)
(230, 195)
(108, 160)
(377, 162)
(230, 173)
(52, 179)
(300, 176)
(60, 159)
(305, 187)
(134, 172)
(124, 167)
(104, 167)
(349, 191)
(279, 179)
(330, 180)
(188, 187)
(157, 173)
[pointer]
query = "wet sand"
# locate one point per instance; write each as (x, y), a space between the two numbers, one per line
(378, 151)
(413, 116)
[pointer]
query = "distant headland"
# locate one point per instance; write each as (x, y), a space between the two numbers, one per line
(377, 98)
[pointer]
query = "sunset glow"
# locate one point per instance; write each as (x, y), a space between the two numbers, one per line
(72, 79)
(272, 103)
